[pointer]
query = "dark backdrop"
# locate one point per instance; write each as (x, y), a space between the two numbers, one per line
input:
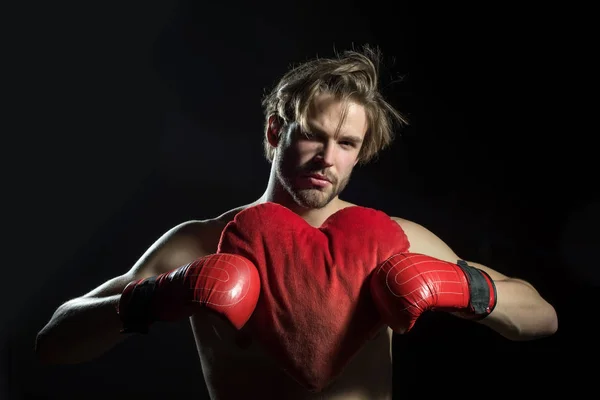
(128, 118)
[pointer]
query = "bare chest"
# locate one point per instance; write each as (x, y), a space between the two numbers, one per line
(234, 366)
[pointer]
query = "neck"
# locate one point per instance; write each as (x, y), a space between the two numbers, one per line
(275, 193)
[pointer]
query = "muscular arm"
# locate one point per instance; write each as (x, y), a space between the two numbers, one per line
(520, 314)
(83, 328)
(86, 327)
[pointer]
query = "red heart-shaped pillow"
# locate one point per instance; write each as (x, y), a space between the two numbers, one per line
(315, 310)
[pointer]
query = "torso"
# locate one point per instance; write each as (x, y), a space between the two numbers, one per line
(234, 370)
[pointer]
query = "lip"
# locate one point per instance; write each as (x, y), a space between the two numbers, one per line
(312, 181)
(318, 177)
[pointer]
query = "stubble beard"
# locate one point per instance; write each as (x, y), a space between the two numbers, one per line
(311, 198)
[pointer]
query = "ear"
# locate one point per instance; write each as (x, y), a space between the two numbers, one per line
(273, 130)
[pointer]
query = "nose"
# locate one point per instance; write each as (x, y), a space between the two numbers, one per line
(327, 154)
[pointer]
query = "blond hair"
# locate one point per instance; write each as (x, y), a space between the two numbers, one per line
(352, 75)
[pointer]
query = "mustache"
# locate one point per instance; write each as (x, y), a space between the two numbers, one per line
(308, 170)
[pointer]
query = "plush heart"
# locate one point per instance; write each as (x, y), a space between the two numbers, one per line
(315, 310)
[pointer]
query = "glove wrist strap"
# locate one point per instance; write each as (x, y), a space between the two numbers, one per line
(482, 290)
(135, 306)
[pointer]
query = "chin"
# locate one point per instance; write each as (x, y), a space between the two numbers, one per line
(312, 198)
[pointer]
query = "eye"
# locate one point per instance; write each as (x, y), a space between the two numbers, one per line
(347, 144)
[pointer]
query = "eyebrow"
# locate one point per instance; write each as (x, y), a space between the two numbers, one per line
(351, 138)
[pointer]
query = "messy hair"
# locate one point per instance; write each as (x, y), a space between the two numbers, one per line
(349, 76)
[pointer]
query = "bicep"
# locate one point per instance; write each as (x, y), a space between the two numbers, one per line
(111, 287)
(175, 248)
(143, 268)
(495, 275)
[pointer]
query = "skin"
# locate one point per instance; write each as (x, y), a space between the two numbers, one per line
(88, 326)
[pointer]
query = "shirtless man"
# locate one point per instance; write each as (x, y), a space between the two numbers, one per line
(323, 118)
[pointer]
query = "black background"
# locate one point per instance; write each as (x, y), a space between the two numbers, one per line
(124, 119)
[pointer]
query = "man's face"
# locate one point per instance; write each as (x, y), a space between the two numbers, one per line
(315, 166)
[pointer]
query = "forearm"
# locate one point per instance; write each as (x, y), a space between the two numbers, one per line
(520, 312)
(80, 330)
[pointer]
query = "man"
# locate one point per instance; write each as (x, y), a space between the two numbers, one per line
(322, 119)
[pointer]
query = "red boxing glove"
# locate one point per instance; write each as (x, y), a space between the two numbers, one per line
(408, 284)
(225, 283)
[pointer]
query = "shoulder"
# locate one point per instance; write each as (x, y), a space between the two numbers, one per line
(176, 247)
(182, 244)
(411, 228)
(204, 233)
(423, 241)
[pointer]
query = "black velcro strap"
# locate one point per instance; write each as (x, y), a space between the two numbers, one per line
(139, 315)
(479, 288)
